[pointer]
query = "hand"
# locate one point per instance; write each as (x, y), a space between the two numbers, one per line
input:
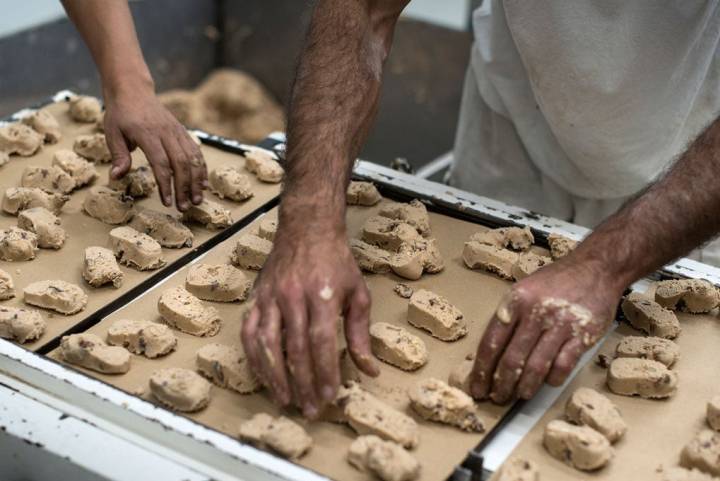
(541, 328)
(134, 117)
(307, 283)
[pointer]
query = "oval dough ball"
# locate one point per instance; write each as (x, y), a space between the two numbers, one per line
(146, 338)
(139, 182)
(45, 225)
(17, 199)
(434, 400)
(135, 249)
(187, 313)
(210, 214)
(435, 314)
(100, 267)
(560, 246)
(362, 193)
(386, 460)
(227, 367)
(164, 228)
(17, 245)
(590, 408)
(414, 213)
(397, 346)
(217, 282)
(650, 317)
(703, 452)
(50, 179)
(45, 124)
(518, 469)
(579, 446)
(56, 295)
(282, 435)
(91, 352)
(85, 109)
(229, 182)
(653, 348)
(21, 325)
(251, 252)
(93, 147)
(490, 258)
(7, 287)
(631, 376)
(81, 171)
(180, 389)
(108, 206)
(692, 295)
(20, 139)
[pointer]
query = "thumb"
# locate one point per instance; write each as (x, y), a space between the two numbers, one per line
(121, 160)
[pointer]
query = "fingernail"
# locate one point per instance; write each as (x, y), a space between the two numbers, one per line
(310, 411)
(205, 184)
(167, 201)
(328, 393)
(183, 206)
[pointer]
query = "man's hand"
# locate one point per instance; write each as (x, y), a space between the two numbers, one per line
(136, 118)
(541, 328)
(290, 334)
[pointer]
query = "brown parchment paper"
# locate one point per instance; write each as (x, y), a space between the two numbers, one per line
(84, 231)
(441, 447)
(657, 430)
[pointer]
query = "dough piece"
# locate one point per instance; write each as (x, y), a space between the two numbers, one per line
(229, 182)
(403, 290)
(146, 338)
(385, 459)
(139, 182)
(641, 377)
(187, 313)
(108, 206)
(676, 473)
(435, 400)
(251, 252)
(56, 295)
(4, 158)
(490, 258)
(180, 389)
(50, 179)
(17, 199)
(436, 315)
(692, 295)
(397, 346)
(164, 228)
(45, 225)
(560, 246)
(518, 469)
(460, 375)
(653, 348)
(21, 325)
(227, 367)
(93, 147)
(44, 124)
(282, 435)
(366, 414)
(388, 234)
(579, 446)
(255, 158)
(100, 267)
(17, 244)
(84, 108)
(7, 287)
(515, 238)
(268, 228)
(416, 257)
(80, 170)
(414, 213)
(650, 317)
(362, 193)
(527, 264)
(91, 352)
(217, 282)
(587, 407)
(370, 258)
(20, 139)
(270, 172)
(210, 214)
(703, 452)
(713, 413)
(135, 249)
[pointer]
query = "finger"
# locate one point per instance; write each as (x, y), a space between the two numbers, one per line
(357, 332)
(158, 160)
(248, 336)
(271, 353)
(324, 314)
(565, 361)
(121, 160)
(198, 168)
(540, 361)
(180, 164)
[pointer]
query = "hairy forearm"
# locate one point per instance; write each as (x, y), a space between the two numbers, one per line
(675, 215)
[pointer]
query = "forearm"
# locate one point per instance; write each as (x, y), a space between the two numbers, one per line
(675, 215)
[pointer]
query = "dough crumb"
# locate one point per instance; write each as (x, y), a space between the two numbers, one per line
(396, 346)
(100, 267)
(461, 374)
(713, 413)
(146, 338)
(137, 183)
(80, 170)
(650, 317)
(91, 352)
(17, 244)
(414, 213)
(560, 246)
(19, 139)
(7, 287)
(435, 400)
(653, 348)
(52, 180)
(518, 469)
(210, 214)
(135, 249)
(229, 182)
(17, 199)
(251, 252)
(696, 296)
(403, 290)
(435, 314)
(282, 435)
(490, 258)
(578, 446)
(703, 452)
(227, 367)
(630, 376)
(217, 282)
(45, 225)
(518, 239)
(180, 389)
(93, 147)
(85, 109)
(187, 313)
(164, 228)
(21, 325)
(362, 193)
(108, 206)
(45, 124)
(385, 459)
(587, 407)
(56, 295)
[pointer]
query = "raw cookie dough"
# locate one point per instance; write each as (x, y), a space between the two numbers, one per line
(388, 234)
(385, 459)
(692, 295)
(139, 182)
(435, 400)
(146, 338)
(17, 199)
(50, 179)
(713, 413)
(518, 469)
(227, 367)
(180, 389)
(108, 206)
(515, 238)
(268, 228)
(362, 193)
(164, 228)
(56, 295)
(20, 139)
(676, 473)
(490, 258)
(251, 252)
(650, 317)
(86, 109)
(436, 315)
(460, 375)
(91, 352)
(17, 244)
(217, 282)
(370, 258)
(403, 290)
(93, 147)
(527, 264)
(100, 267)
(4, 158)
(282, 435)
(631, 376)
(578, 446)
(366, 414)
(210, 214)
(45, 225)
(229, 182)
(45, 124)
(560, 246)
(80, 170)
(587, 407)
(703, 452)
(397, 346)
(135, 249)
(265, 168)
(414, 213)
(187, 313)
(7, 287)
(21, 325)
(654, 348)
